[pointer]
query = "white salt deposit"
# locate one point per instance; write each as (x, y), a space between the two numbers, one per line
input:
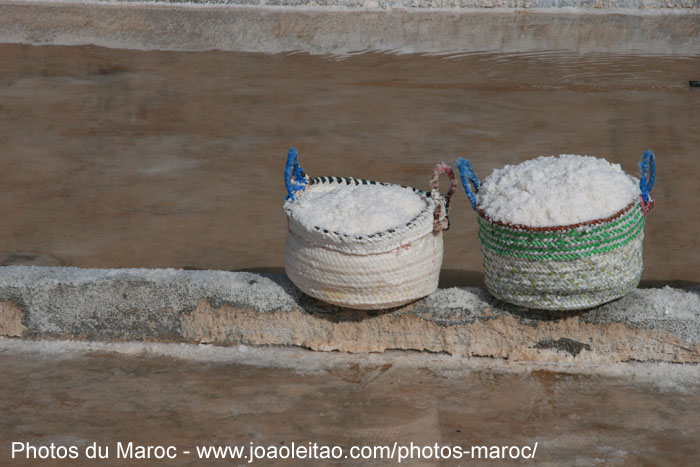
(358, 210)
(554, 191)
(669, 376)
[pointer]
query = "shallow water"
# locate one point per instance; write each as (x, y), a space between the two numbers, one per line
(116, 158)
(574, 419)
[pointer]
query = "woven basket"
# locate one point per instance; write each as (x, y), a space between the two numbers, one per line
(375, 271)
(568, 267)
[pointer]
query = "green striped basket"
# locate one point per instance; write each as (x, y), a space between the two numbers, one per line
(564, 267)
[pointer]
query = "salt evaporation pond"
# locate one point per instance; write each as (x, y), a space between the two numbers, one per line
(123, 158)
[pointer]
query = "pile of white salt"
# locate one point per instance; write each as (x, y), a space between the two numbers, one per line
(556, 191)
(358, 210)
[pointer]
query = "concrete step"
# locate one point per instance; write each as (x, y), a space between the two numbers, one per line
(345, 27)
(232, 308)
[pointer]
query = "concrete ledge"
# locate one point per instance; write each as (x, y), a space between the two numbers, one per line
(414, 5)
(230, 308)
(275, 30)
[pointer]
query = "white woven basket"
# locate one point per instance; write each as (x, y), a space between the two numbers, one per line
(375, 271)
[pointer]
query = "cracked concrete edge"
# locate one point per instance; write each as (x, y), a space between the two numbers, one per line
(339, 32)
(233, 308)
(662, 374)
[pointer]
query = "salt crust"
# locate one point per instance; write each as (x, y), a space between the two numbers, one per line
(358, 210)
(556, 190)
(666, 376)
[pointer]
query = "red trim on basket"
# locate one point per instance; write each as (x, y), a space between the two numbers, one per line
(562, 227)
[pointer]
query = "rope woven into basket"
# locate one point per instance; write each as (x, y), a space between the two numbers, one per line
(570, 244)
(565, 285)
(565, 267)
(441, 220)
(647, 177)
(580, 267)
(369, 281)
(372, 271)
(294, 177)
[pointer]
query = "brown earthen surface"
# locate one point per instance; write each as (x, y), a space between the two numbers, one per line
(502, 336)
(11, 320)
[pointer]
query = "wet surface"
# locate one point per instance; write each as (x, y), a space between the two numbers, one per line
(108, 398)
(114, 158)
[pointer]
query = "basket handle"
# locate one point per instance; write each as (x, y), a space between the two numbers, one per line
(294, 177)
(647, 178)
(467, 174)
(442, 221)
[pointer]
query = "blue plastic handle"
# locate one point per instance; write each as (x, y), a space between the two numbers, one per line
(467, 174)
(294, 176)
(648, 174)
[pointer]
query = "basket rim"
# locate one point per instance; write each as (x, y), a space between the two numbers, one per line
(382, 235)
(558, 228)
